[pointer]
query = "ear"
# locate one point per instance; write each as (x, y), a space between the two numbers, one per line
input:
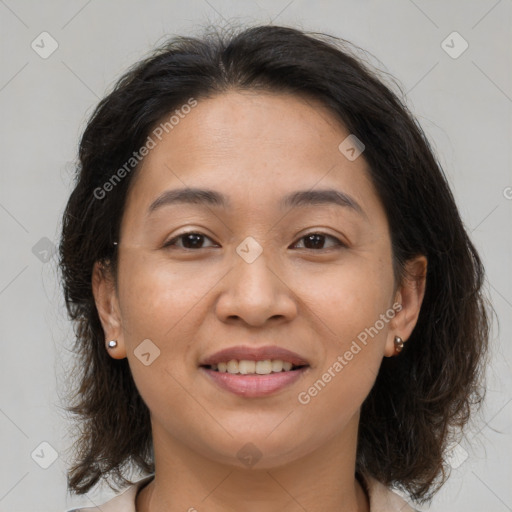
(107, 304)
(410, 295)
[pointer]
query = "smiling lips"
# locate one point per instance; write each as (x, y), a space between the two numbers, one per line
(254, 372)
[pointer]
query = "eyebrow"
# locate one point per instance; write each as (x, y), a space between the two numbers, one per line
(298, 199)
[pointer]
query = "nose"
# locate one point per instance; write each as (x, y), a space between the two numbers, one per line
(255, 293)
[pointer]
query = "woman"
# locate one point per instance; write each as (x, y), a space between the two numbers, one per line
(276, 303)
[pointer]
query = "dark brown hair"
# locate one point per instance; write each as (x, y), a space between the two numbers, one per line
(420, 398)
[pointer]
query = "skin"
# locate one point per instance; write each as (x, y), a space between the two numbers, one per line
(311, 299)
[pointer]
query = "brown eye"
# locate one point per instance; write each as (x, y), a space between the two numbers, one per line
(191, 240)
(317, 241)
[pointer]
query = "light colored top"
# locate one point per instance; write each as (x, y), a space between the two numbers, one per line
(382, 499)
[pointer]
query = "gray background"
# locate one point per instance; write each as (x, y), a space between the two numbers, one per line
(464, 104)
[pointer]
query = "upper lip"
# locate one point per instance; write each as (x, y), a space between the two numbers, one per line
(241, 352)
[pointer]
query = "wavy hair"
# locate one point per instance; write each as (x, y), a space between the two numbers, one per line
(420, 398)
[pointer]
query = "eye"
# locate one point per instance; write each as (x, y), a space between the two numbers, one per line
(191, 240)
(317, 240)
(194, 240)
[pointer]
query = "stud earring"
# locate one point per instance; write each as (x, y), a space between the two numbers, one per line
(112, 344)
(399, 344)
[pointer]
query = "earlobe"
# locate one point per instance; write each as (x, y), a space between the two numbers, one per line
(410, 296)
(105, 298)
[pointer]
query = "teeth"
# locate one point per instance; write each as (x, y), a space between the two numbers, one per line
(264, 367)
(232, 366)
(245, 367)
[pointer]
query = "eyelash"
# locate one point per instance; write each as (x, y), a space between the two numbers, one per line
(172, 242)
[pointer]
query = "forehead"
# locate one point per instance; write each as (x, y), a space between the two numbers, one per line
(252, 146)
(240, 123)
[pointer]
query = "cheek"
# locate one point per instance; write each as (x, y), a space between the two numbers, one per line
(164, 303)
(157, 298)
(348, 298)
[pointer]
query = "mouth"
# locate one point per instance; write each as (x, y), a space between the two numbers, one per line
(253, 379)
(253, 372)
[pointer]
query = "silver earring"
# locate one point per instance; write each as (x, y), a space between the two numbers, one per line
(112, 344)
(399, 344)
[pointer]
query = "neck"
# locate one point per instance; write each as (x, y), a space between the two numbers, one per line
(321, 481)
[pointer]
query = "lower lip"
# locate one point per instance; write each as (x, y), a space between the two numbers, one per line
(252, 386)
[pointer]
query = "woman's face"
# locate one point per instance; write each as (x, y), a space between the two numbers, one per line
(312, 276)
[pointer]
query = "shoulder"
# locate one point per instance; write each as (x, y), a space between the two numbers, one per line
(382, 498)
(124, 502)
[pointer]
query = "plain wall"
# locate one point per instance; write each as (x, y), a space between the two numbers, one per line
(464, 104)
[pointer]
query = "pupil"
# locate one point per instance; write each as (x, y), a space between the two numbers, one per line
(195, 237)
(315, 238)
